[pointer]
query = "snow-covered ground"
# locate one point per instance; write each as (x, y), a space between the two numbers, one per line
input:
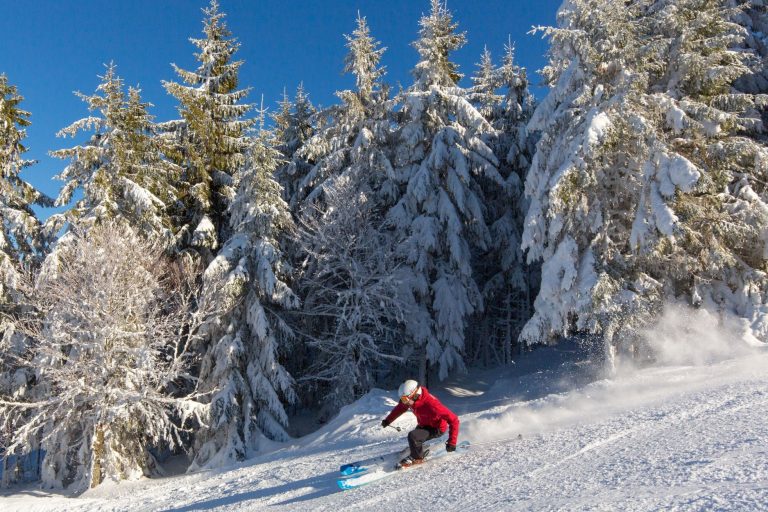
(688, 436)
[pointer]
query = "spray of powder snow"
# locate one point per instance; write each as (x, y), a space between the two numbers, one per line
(682, 340)
(697, 336)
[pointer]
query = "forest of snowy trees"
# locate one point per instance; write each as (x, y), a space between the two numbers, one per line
(209, 276)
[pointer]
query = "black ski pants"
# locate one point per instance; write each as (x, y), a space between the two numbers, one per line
(418, 436)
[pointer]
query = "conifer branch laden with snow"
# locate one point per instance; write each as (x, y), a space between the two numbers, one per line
(440, 155)
(120, 169)
(22, 239)
(643, 186)
(210, 140)
(246, 338)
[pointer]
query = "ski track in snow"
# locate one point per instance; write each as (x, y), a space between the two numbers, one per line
(681, 438)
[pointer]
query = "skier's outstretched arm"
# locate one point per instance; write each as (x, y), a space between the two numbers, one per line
(399, 409)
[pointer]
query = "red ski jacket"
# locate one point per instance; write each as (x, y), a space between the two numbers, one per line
(429, 413)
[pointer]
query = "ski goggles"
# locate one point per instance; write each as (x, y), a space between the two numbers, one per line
(409, 398)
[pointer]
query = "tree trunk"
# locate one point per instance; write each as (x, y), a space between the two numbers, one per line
(98, 456)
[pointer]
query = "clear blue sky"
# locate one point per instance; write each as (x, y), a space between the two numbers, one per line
(51, 48)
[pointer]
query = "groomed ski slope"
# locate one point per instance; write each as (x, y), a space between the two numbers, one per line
(685, 436)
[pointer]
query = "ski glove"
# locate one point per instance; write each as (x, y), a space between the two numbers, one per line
(450, 447)
(384, 424)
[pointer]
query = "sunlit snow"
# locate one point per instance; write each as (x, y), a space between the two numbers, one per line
(687, 433)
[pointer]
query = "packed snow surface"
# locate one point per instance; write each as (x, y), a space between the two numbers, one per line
(683, 436)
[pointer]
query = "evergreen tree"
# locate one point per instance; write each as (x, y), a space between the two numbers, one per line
(517, 107)
(23, 244)
(582, 191)
(437, 39)
(22, 241)
(293, 128)
(354, 133)
(210, 141)
(439, 157)
(707, 145)
(119, 170)
(245, 287)
(507, 280)
(644, 188)
(351, 300)
(486, 82)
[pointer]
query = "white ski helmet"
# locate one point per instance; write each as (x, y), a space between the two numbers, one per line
(409, 388)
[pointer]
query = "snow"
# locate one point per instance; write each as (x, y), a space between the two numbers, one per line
(598, 128)
(676, 172)
(675, 117)
(205, 233)
(684, 434)
(664, 217)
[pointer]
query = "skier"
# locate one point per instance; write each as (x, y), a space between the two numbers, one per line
(433, 418)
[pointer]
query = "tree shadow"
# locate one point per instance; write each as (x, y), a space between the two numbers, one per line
(323, 485)
(12, 492)
(543, 371)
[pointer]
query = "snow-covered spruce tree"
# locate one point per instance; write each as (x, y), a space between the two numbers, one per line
(352, 302)
(245, 286)
(502, 96)
(439, 156)
(486, 82)
(642, 185)
(515, 144)
(22, 247)
(351, 309)
(583, 185)
(210, 140)
(22, 241)
(293, 127)
(352, 140)
(111, 334)
(119, 170)
(351, 136)
(708, 146)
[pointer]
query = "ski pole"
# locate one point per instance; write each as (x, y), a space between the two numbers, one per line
(394, 427)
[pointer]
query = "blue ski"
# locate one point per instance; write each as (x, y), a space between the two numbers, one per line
(358, 474)
(363, 466)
